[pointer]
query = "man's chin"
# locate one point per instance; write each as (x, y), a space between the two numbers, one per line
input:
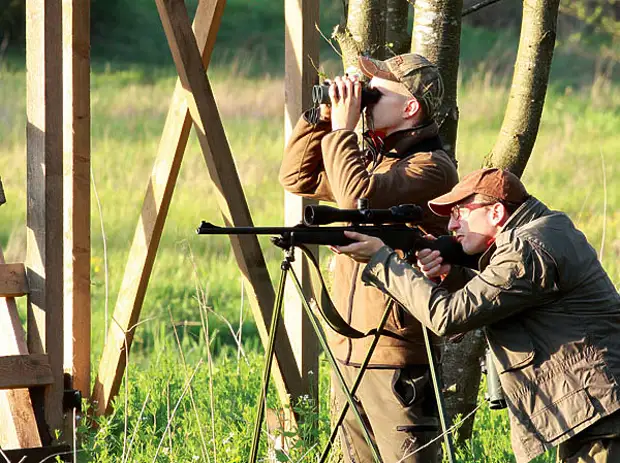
(469, 250)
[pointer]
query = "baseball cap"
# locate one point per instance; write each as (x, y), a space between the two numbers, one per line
(497, 183)
(415, 72)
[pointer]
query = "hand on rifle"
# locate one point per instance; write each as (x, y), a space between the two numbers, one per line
(361, 251)
(431, 263)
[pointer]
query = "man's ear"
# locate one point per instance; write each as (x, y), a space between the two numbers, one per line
(412, 107)
(500, 214)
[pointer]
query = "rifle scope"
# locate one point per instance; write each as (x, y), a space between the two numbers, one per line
(323, 215)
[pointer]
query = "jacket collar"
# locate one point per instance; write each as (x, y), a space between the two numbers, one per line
(528, 211)
(400, 143)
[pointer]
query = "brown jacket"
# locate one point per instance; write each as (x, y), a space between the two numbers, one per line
(552, 319)
(329, 166)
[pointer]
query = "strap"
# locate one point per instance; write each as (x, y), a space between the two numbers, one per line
(328, 310)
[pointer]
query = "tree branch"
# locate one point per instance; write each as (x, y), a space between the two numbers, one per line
(478, 6)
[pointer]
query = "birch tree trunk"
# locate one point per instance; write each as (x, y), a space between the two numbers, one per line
(437, 36)
(529, 86)
(364, 31)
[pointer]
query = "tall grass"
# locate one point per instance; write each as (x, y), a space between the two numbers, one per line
(165, 411)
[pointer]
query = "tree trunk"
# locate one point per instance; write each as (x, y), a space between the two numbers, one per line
(437, 35)
(364, 32)
(398, 40)
(529, 86)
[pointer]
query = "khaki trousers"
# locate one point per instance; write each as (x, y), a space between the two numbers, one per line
(603, 450)
(391, 402)
(599, 443)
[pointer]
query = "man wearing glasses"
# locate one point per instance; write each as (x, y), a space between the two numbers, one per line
(550, 312)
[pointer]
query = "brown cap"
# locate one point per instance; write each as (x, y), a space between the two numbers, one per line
(497, 183)
(416, 73)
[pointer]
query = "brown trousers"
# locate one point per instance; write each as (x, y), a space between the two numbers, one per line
(391, 402)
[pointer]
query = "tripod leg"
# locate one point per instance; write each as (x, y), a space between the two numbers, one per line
(443, 418)
(332, 361)
(277, 311)
(356, 384)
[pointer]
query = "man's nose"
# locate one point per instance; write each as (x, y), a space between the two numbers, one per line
(453, 225)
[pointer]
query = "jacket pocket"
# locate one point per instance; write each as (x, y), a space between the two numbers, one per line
(563, 415)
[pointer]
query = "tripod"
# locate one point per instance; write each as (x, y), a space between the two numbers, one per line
(337, 323)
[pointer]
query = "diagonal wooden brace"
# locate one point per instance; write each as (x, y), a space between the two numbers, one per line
(192, 100)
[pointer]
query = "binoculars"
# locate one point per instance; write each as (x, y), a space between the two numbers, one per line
(320, 95)
(495, 394)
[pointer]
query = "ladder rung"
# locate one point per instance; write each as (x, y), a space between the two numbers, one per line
(13, 282)
(20, 371)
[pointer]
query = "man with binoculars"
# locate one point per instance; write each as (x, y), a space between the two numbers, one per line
(403, 162)
(550, 312)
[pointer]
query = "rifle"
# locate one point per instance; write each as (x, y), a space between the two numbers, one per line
(392, 226)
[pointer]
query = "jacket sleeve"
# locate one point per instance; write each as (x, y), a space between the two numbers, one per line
(302, 171)
(518, 277)
(407, 180)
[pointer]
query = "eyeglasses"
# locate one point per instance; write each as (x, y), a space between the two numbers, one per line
(462, 212)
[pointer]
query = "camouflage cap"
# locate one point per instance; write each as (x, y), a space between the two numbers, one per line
(416, 73)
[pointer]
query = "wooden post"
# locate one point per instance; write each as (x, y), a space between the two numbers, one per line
(76, 140)
(44, 260)
(301, 55)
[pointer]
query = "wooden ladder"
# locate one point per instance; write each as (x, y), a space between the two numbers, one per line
(19, 371)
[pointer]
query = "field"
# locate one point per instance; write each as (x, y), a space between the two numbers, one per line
(190, 392)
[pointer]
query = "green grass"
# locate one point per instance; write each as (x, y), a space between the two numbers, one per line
(574, 167)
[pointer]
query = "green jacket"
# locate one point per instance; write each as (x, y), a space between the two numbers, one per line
(552, 319)
(328, 165)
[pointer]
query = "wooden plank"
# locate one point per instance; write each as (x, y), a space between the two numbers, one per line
(301, 53)
(21, 371)
(44, 257)
(154, 211)
(76, 163)
(38, 455)
(18, 426)
(13, 282)
(230, 196)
